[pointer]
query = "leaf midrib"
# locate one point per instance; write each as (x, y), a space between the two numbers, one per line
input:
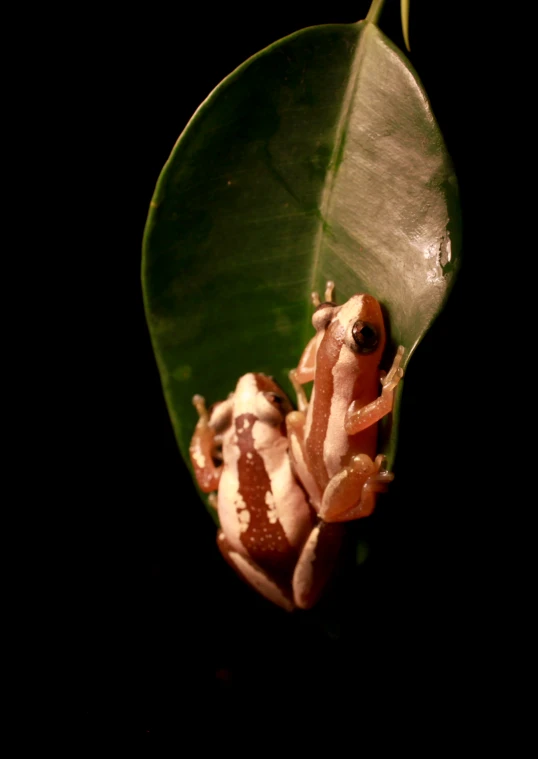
(333, 166)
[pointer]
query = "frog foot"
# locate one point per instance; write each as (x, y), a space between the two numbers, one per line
(198, 401)
(328, 295)
(379, 481)
(395, 374)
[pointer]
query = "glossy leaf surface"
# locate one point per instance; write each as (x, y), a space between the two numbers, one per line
(319, 158)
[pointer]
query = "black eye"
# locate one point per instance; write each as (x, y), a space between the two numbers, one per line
(365, 336)
(274, 398)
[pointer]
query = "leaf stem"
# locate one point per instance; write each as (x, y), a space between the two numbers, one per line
(404, 6)
(375, 11)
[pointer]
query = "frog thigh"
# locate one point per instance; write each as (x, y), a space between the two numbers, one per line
(351, 494)
(254, 575)
(316, 563)
(229, 500)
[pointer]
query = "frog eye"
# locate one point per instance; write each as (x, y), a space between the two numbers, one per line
(365, 336)
(271, 407)
(322, 315)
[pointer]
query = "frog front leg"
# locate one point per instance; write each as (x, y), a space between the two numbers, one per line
(203, 444)
(304, 373)
(296, 420)
(359, 418)
(306, 368)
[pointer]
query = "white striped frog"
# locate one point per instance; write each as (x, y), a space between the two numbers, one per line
(333, 438)
(269, 532)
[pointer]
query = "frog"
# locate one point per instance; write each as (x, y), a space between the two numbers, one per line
(269, 533)
(333, 436)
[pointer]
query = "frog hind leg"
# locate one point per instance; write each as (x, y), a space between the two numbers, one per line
(362, 475)
(316, 563)
(254, 575)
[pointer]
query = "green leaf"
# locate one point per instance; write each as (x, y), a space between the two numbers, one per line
(319, 158)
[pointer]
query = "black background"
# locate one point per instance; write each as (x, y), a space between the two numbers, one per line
(163, 633)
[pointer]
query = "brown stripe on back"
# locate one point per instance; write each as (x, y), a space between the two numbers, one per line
(265, 542)
(327, 356)
(265, 383)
